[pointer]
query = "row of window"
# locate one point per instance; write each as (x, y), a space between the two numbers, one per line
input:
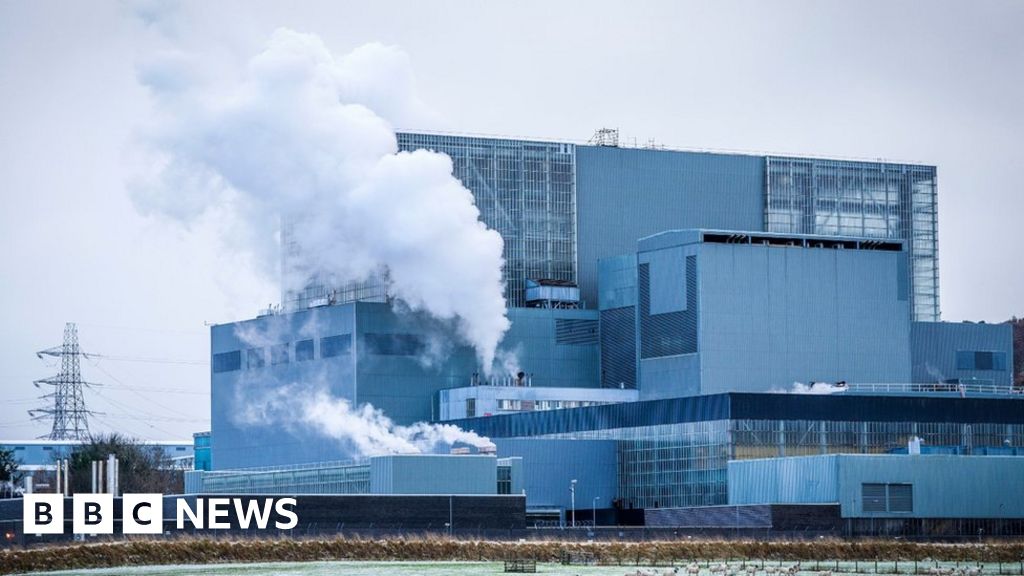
(530, 405)
(887, 497)
(304, 350)
(980, 360)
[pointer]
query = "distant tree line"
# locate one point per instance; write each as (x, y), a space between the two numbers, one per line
(141, 468)
(1018, 351)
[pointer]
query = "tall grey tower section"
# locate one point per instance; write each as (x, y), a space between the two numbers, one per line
(70, 418)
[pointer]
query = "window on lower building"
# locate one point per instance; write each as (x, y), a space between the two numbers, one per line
(303, 350)
(332, 346)
(504, 479)
(227, 361)
(508, 404)
(255, 358)
(279, 354)
(887, 497)
(394, 344)
(901, 498)
(980, 360)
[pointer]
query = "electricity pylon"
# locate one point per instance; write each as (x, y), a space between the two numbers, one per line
(70, 418)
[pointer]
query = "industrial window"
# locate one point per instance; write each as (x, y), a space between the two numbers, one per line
(901, 498)
(279, 354)
(179, 448)
(574, 331)
(227, 361)
(504, 479)
(887, 497)
(393, 344)
(470, 407)
(303, 350)
(508, 404)
(335, 345)
(255, 358)
(980, 360)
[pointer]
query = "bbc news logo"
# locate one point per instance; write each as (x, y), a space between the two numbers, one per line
(144, 513)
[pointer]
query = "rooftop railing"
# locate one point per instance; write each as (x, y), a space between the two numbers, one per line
(964, 389)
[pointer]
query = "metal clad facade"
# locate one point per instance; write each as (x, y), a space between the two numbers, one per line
(747, 406)
(773, 315)
(549, 466)
(624, 194)
(862, 199)
(798, 480)
(936, 345)
(899, 486)
(433, 474)
(396, 362)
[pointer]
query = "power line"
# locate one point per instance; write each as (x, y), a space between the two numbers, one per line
(150, 360)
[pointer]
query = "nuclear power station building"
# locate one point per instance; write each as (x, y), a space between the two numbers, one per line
(698, 340)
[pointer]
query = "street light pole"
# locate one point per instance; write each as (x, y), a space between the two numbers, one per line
(593, 510)
(572, 490)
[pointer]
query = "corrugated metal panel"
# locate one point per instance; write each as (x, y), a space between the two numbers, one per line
(625, 194)
(618, 348)
(574, 331)
(924, 486)
(862, 199)
(934, 347)
(668, 333)
(710, 517)
(741, 406)
(667, 273)
(618, 282)
(799, 480)
(855, 408)
(433, 474)
(632, 414)
(549, 466)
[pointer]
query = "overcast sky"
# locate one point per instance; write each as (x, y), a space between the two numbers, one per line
(935, 82)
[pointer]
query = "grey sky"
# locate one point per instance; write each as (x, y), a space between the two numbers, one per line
(934, 82)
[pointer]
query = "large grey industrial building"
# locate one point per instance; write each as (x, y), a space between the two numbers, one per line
(671, 312)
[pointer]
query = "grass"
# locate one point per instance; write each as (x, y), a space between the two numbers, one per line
(196, 550)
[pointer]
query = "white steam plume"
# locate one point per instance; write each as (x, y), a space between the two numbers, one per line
(264, 399)
(309, 138)
(363, 431)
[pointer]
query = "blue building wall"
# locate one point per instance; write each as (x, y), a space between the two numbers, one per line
(549, 466)
(945, 351)
(433, 474)
(624, 194)
(772, 316)
(201, 451)
(37, 454)
(749, 317)
(366, 353)
(942, 486)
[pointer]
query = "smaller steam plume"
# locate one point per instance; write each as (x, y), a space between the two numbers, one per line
(814, 388)
(311, 405)
(360, 431)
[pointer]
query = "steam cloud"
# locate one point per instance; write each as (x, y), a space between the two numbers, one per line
(308, 138)
(365, 431)
(263, 399)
